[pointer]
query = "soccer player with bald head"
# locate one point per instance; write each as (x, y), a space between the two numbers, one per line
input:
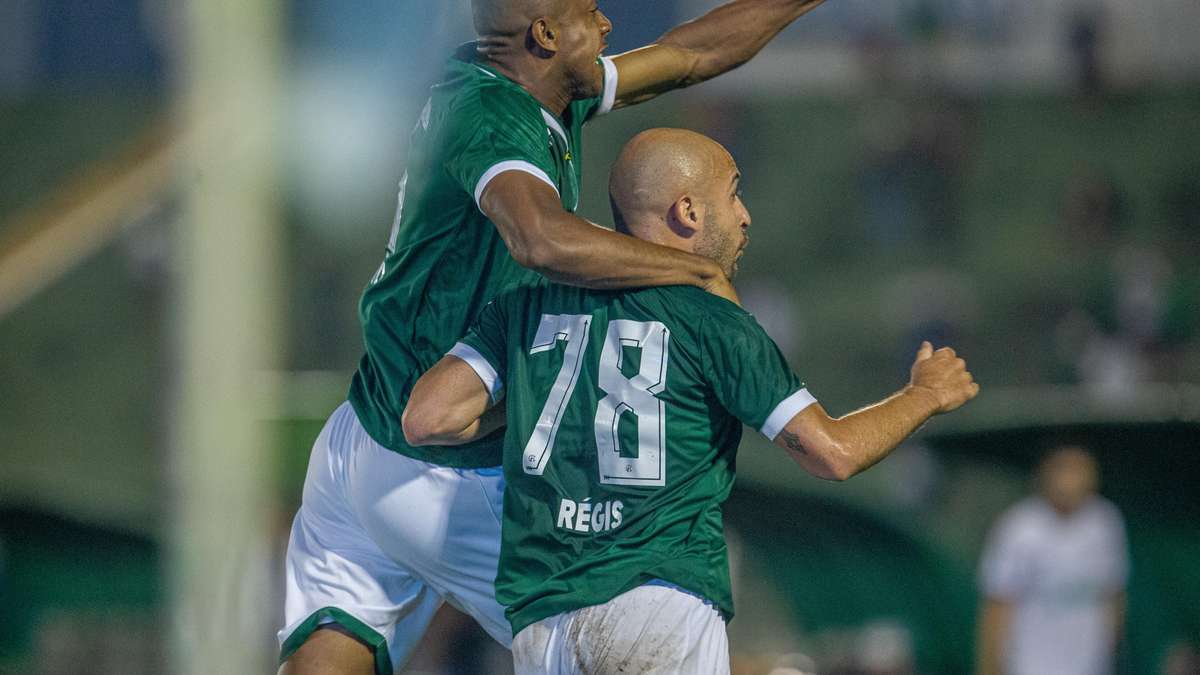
(388, 530)
(624, 414)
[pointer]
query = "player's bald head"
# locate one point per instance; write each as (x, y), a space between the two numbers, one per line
(655, 169)
(511, 17)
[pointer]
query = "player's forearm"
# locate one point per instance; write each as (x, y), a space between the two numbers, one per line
(992, 632)
(732, 34)
(579, 253)
(567, 249)
(840, 448)
(862, 438)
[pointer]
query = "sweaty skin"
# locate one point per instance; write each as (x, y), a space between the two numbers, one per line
(654, 169)
(660, 167)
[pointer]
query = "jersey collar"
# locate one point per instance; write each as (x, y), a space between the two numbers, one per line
(465, 54)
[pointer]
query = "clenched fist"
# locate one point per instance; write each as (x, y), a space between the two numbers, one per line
(942, 376)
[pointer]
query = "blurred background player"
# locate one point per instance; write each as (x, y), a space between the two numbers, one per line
(621, 440)
(1053, 577)
(388, 530)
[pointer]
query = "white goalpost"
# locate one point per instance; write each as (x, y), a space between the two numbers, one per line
(227, 312)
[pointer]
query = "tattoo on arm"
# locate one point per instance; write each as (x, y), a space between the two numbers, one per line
(793, 442)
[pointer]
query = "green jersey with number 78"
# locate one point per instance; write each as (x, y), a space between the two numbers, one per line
(625, 411)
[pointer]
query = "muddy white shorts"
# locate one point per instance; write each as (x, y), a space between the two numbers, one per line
(650, 629)
(381, 540)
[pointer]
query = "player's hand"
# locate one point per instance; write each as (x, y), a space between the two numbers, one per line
(722, 286)
(943, 377)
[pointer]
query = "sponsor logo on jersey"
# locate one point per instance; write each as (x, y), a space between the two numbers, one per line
(585, 516)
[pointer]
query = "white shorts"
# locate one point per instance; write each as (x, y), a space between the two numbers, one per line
(650, 629)
(381, 540)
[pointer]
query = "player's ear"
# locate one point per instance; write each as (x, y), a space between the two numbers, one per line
(685, 216)
(543, 38)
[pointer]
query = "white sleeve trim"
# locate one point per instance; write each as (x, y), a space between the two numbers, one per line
(609, 99)
(511, 165)
(482, 367)
(785, 411)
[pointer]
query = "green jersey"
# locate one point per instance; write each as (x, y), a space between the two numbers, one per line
(445, 259)
(625, 411)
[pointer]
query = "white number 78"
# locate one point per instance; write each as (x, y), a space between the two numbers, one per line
(623, 394)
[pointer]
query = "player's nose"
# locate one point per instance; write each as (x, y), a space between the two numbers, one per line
(605, 24)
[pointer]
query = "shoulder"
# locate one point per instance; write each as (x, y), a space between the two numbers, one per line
(1032, 509)
(701, 304)
(524, 295)
(1022, 519)
(713, 321)
(545, 297)
(1105, 513)
(486, 101)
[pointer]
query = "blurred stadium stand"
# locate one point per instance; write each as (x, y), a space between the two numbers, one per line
(1022, 182)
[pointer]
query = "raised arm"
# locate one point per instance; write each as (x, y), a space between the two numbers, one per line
(450, 405)
(836, 449)
(699, 50)
(567, 249)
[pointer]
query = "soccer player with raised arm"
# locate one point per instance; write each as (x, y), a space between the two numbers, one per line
(388, 530)
(624, 414)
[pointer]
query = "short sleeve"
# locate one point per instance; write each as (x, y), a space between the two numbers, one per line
(1005, 569)
(502, 136)
(484, 347)
(748, 373)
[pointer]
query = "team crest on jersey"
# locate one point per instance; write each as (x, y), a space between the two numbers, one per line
(588, 517)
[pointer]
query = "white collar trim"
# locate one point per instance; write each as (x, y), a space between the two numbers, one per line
(554, 124)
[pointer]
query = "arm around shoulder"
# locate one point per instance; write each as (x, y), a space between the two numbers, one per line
(545, 237)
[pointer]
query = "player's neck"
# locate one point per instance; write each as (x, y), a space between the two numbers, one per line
(539, 78)
(652, 230)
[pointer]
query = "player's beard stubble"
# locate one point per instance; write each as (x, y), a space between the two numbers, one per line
(720, 245)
